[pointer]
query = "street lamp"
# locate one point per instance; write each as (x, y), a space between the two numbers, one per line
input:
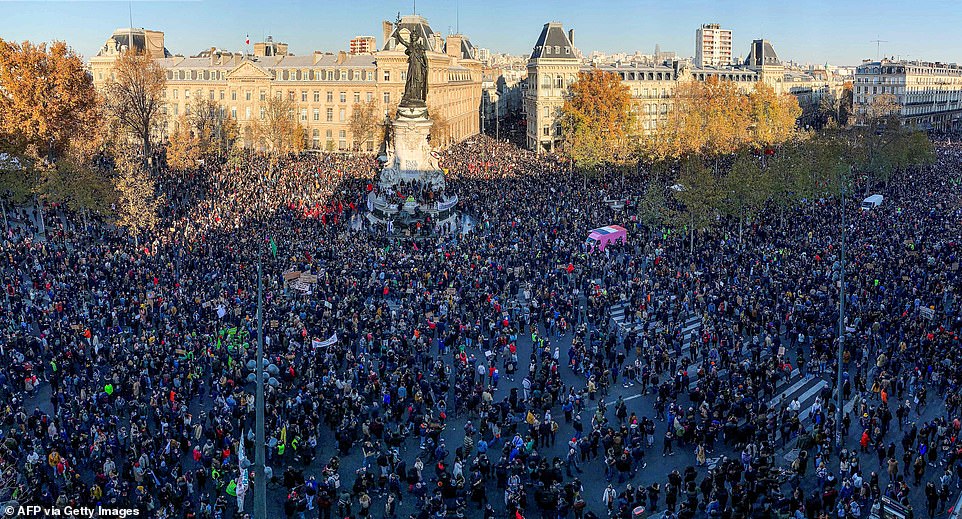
(841, 329)
(260, 483)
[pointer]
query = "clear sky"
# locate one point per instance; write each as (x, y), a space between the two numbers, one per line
(814, 31)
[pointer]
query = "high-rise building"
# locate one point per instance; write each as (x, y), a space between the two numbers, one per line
(484, 55)
(363, 45)
(713, 46)
(926, 95)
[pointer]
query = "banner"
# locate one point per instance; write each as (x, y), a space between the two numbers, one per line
(317, 343)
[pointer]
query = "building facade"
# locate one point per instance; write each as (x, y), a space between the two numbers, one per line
(325, 87)
(555, 62)
(552, 68)
(927, 95)
(713, 46)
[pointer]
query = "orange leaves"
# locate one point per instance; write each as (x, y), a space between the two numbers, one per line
(713, 117)
(596, 120)
(47, 100)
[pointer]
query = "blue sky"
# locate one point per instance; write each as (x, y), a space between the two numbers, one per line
(816, 31)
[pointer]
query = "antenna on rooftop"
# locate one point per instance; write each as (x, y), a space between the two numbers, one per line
(878, 47)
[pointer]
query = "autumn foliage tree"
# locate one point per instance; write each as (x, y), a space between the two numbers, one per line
(365, 123)
(47, 100)
(712, 118)
(773, 116)
(596, 120)
(279, 132)
(134, 96)
(138, 203)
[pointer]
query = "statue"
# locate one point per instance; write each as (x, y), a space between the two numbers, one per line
(416, 86)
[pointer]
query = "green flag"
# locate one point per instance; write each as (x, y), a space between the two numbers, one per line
(273, 247)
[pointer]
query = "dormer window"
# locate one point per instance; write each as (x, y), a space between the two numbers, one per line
(567, 50)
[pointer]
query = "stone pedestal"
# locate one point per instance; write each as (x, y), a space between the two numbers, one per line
(411, 188)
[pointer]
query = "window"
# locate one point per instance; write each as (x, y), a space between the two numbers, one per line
(221, 95)
(369, 96)
(247, 95)
(263, 95)
(187, 94)
(387, 75)
(357, 97)
(304, 114)
(330, 115)
(290, 95)
(343, 97)
(328, 134)
(211, 95)
(340, 115)
(233, 112)
(233, 95)
(303, 96)
(546, 131)
(342, 134)
(175, 109)
(247, 113)
(317, 96)
(262, 114)
(175, 93)
(330, 96)
(387, 98)
(317, 114)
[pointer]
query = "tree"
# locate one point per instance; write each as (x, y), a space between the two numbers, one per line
(279, 132)
(708, 118)
(745, 190)
(700, 194)
(440, 134)
(773, 116)
(135, 96)
(184, 149)
(596, 120)
(17, 180)
(138, 203)
(47, 100)
(365, 123)
(213, 130)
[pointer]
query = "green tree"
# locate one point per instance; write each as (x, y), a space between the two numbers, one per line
(700, 194)
(745, 190)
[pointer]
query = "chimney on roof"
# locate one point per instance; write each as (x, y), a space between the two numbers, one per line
(317, 56)
(453, 45)
(341, 56)
(571, 36)
(386, 29)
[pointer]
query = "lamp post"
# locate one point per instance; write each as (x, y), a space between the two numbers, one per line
(841, 330)
(260, 482)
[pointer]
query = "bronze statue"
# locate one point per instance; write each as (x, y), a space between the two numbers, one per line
(416, 86)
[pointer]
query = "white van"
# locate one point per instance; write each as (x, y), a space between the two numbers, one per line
(872, 202)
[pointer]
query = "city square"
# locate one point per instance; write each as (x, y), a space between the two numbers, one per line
(486, 274)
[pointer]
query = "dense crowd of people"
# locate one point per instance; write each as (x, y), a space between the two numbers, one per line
(394, 365)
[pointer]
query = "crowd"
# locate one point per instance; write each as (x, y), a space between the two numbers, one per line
(125, 361)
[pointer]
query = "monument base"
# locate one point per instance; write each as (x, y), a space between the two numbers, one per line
(411, 191)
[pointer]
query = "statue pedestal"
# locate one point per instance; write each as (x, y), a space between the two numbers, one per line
(411, 187)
